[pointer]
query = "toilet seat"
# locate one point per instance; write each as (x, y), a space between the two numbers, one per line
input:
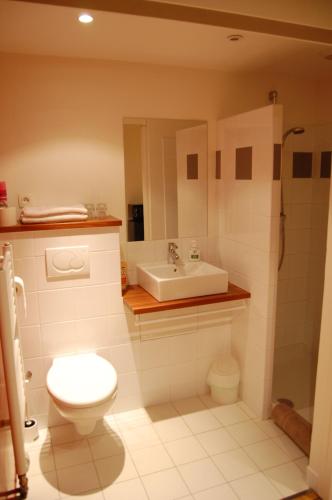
(81, 381)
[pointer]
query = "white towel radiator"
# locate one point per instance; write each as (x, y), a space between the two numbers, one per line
(13, 365)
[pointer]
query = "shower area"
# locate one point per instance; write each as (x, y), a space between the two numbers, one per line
(305, 183)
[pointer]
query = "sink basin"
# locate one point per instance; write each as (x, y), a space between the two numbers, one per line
(192, 279)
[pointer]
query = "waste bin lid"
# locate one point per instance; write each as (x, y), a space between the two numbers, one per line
(226, 365)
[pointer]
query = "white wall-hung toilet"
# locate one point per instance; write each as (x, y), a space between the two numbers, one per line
(83, 388)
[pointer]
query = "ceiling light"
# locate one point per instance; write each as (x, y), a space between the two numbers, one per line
(85, 18)
(234, 38)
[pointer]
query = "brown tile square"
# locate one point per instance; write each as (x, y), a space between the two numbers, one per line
(243, 163)
(325, 164)
(302, 165)
(218, 164)
(276, 162)
(192, 166)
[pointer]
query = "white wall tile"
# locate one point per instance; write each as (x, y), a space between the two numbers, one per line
(32, 316)
(182, 380)
(123, 357)
(37, 368)
(25, 269)
(57, 305)
(92, 301)
(154, 353)
(59, 338)
(31, 342)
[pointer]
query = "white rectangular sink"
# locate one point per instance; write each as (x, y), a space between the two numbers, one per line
(192, 279)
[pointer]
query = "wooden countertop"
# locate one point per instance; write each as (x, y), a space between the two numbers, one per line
(140, 301)
(49, 226)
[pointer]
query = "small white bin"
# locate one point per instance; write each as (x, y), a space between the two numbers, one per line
(224, 379)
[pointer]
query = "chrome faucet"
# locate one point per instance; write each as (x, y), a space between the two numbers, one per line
(173, 256)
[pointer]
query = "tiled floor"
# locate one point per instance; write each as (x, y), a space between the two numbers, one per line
(191, 449)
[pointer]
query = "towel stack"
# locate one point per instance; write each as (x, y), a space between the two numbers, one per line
(72, 213)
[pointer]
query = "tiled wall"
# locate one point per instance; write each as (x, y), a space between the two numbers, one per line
(248, 204)
(300, 284)
(71, 316)
(301, 278)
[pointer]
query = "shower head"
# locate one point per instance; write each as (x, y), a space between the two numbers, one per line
(294, 130)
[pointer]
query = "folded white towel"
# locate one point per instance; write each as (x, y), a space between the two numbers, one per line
(53, 210)
(53, 218)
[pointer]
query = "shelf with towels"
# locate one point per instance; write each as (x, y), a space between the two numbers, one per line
(49, 226)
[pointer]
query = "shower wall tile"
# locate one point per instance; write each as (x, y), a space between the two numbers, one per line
(192, 166)
(218, 164)
(276, 161)
(243, 163)
(302, 165)
(325, 164)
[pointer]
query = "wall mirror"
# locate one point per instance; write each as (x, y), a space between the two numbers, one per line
(165, 178)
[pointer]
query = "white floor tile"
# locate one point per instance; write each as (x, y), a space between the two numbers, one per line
(125, 490)
(165, 485)
(230, 414)
(115, 469)
(44, 439)
(78, 479)
(74, 453)
(217, 441)
(201, 475)
(208, 401)
(171, 429)
(235, 464)
(131, 419)
(302, 464)
(223, 492)
(152, 459)
(64, 434)
(201, 421)
(246, 433)
(161, 412)
(269, 427)
(90, 495)
(189, 405)
(246, 409)
(287, 478)
(266, 454)
(41, 460)
(141, 437)
(105, 426)
(106, 445)
(289, 447)
(44, 486)
(185, 450)
(255, 487)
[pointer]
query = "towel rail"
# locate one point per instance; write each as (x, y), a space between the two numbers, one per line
(12, 362)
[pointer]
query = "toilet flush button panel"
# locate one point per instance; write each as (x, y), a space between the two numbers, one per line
(67, 262)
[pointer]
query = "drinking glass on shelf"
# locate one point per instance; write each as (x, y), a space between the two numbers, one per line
(91, 210)
(101, 210)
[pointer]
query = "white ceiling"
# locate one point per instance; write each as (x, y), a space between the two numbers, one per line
(51, 30)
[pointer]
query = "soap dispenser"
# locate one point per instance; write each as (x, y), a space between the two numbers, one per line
(194, 252)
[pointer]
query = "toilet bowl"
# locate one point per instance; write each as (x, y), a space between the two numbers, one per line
(83, 388)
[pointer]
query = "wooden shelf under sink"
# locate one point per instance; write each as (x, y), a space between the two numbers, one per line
(140, 301)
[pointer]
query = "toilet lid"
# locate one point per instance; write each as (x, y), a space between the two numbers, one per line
(82, 380)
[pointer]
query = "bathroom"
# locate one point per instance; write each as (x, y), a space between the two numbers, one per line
(62, 143)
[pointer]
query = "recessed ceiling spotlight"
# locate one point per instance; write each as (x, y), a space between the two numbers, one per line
(234, 38)
(85, 18)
